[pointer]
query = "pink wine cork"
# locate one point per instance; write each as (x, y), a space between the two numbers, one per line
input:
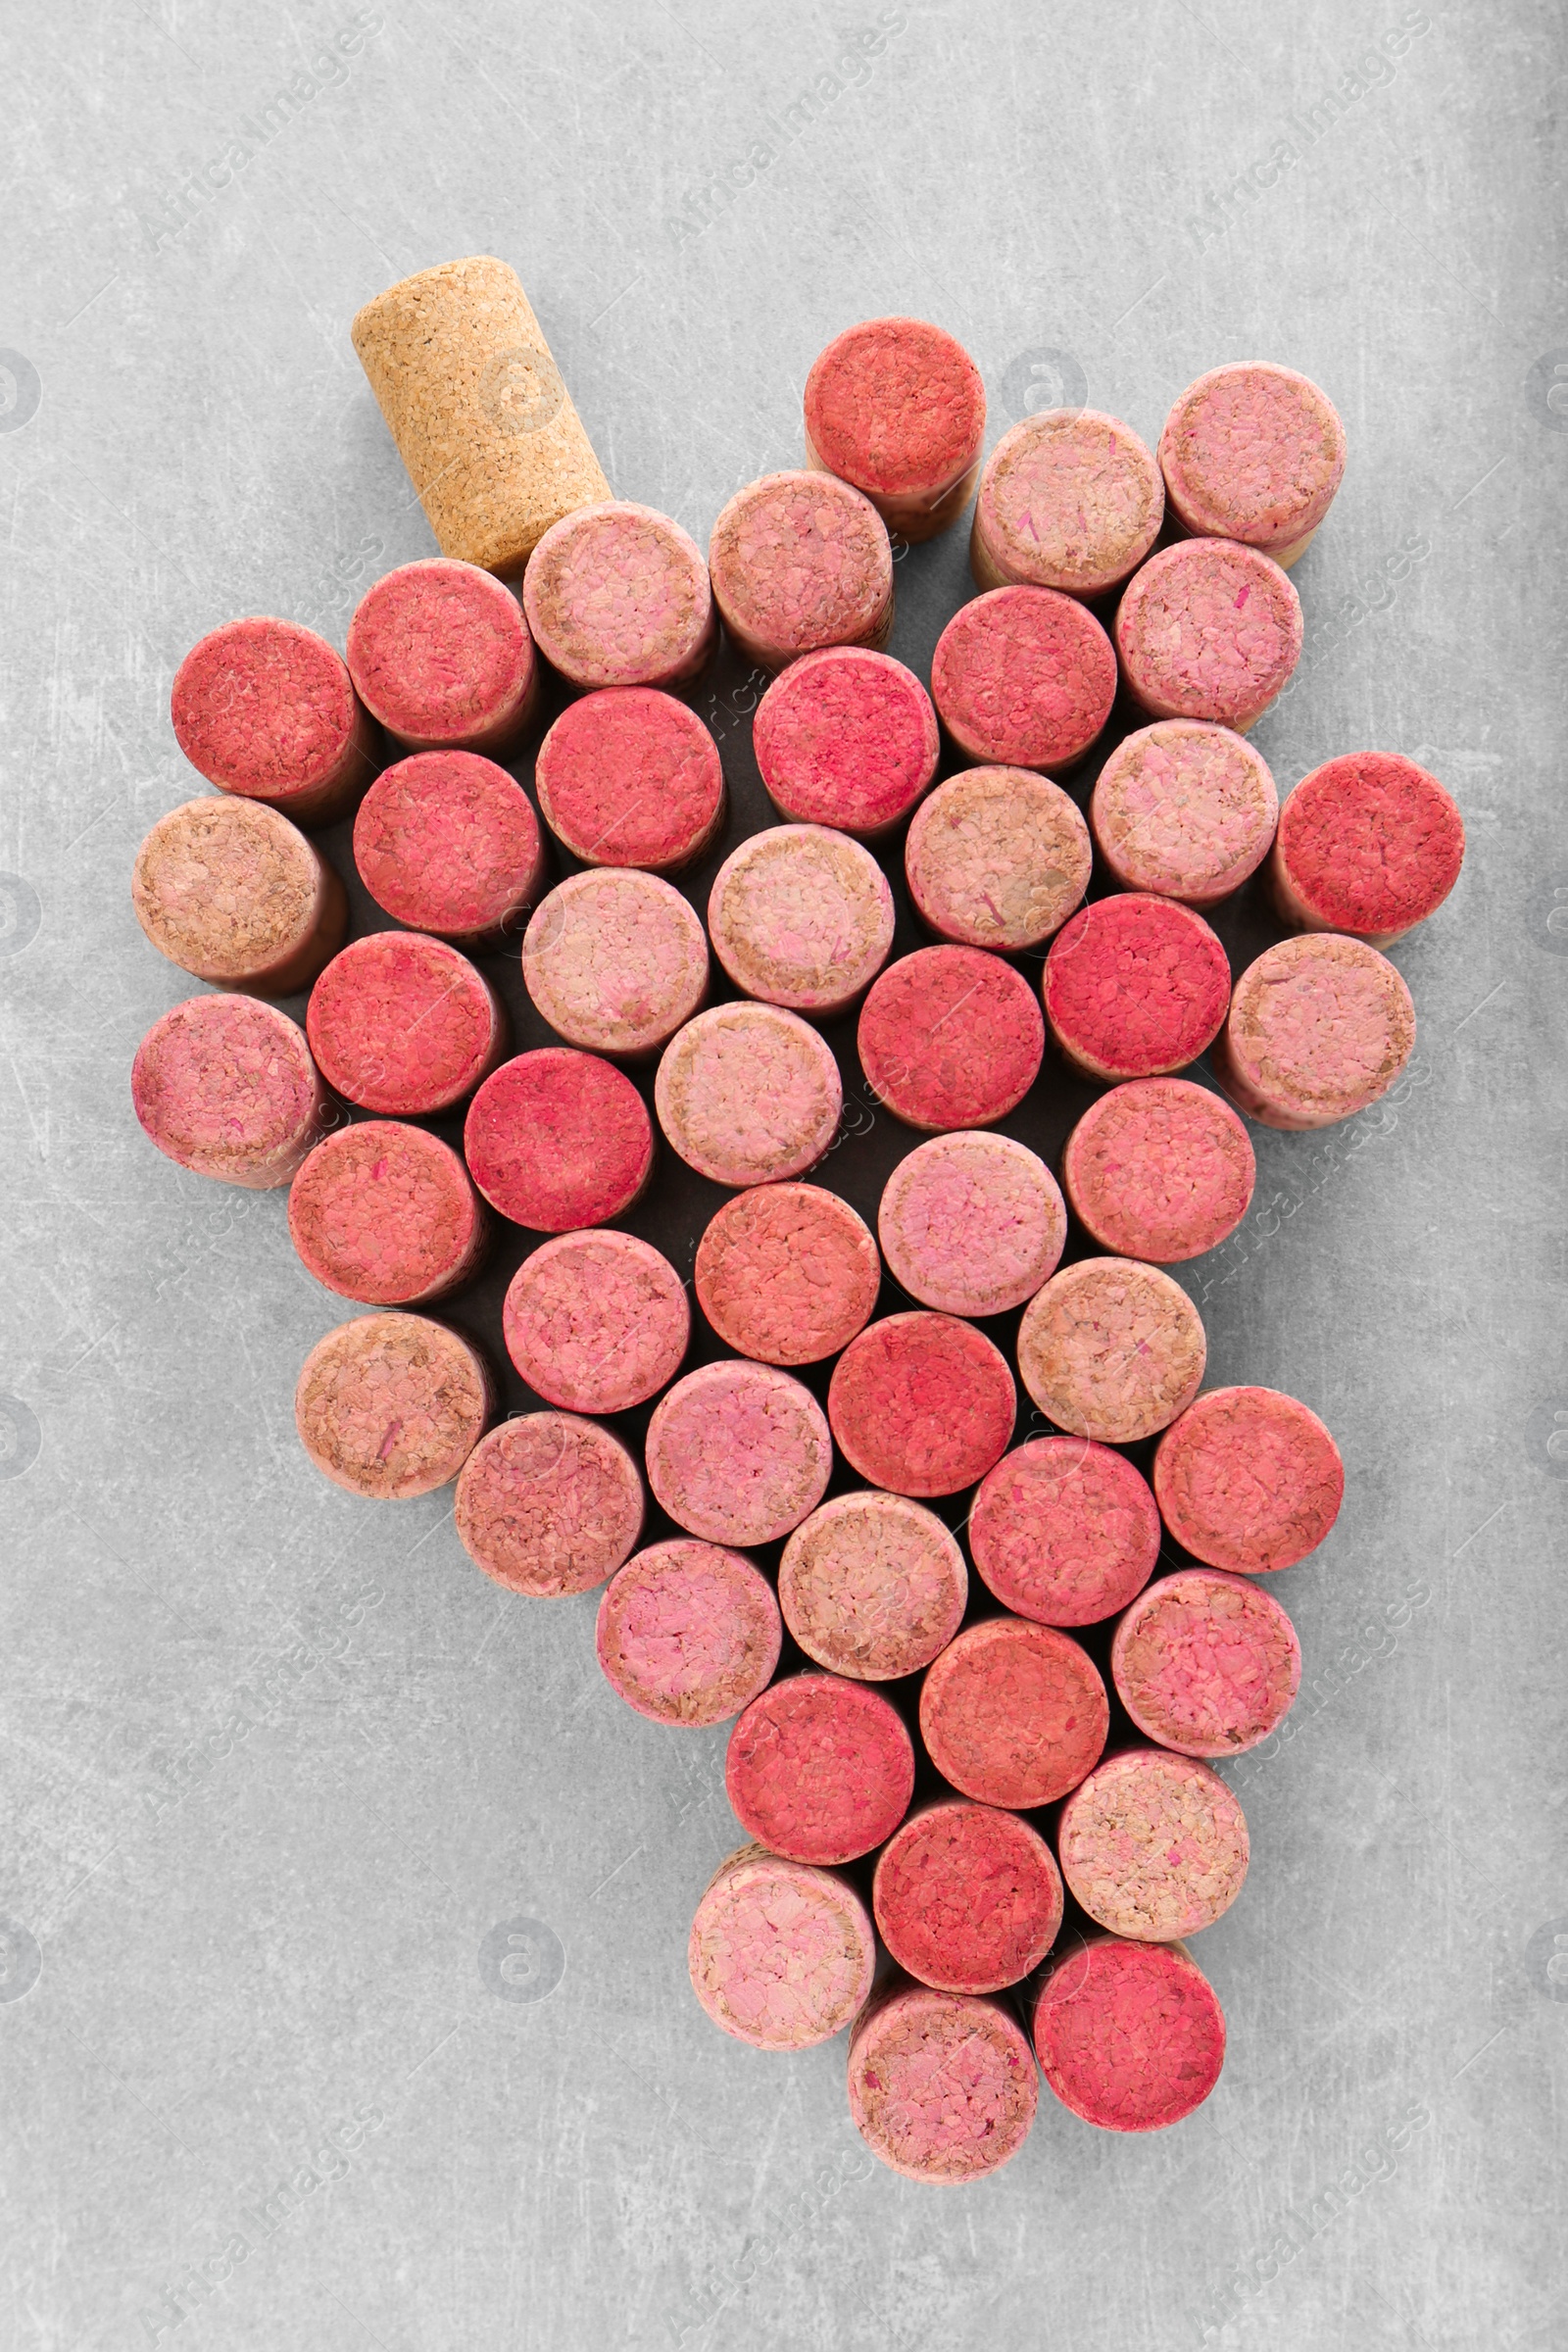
(1250, 1480)
(405, 1025)
(549, 1505)
(1185, 809)
(556, 1139)
(1205, 1663)
(781, 1955)
(597, 1322)
(1070, 500)
(440, 654)
(1023, 678)
(268, 710)
(449, 844)
(1253, 452)
(801, 561)
(748, 1094)
(388, 1214)
(997, 857)
(1130, 2036)
(688, 1633)
(819, 1769)
(921, 1404)
(1111, 1350)
(1369, 845)
(800, 916)
(1013, 1713)
(971, 1224)
(631, 777)
(233, 893)
(617, 595)
(391, 1407)
(967, 1899)
(872, 1587)
(950, 1038)
(1135, 986)
(1160, 1169)
(1065, 1532)
(787, 1273)
(1209, 629)
(897, 409)
(739, 1453)
(942, 2085)
(614, 961)
(227, 1087)
(847, 738)
(1319, 1028)
(1153, 1845)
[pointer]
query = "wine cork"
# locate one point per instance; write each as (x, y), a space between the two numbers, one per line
(1205, 1663)
(942, 2085)
(1160, 1169)
(1130, 2036)
(597, 1322)
(1111, 1350)
(476, 404)
(1249, 1480)
(616, 960)
(819, 1769)
(1023, 678)
(1209, 629)
(1255, 453)
(1013, 1713)
(403, 1024)
(266, 710)
(967, 1898)
(440, 654)
(872, 1587)
(748, 1094)
(390, 1406)
(781, 1955)
(787, 1273)
(800, 916)
(233, 893)
(1319, 1028)
(1071, 499)
(1065, 1532)
(631, 777)
(1369, 846)
(971, 1224)
(847, 738)
(896, 407)
(688, 1634)
(737, 1452)
(921, 1404)
(997, 857)
(556, 1139)
(950, 1036)
(449, 844)
(1135, 986)
(618, 595)
(225, 1087)
(386, 1214)
(801, 561)
(1153, 1845)
(1185, 809)
(549, 1505)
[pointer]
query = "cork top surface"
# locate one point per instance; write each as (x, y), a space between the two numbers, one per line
(942, 2085)
(781, 1955)
(896, 407)
(997, 857)
(1111, 1350)
(801, 561)
(438, 652)
(224, 888)
(615, 960)
(1205, 1663)
(972, 1223)
(1130, 2036)
(921, 1404)
(1209, 629)
(1065, 1531)
(617, 595)
(872, 1586)
(1153, 1845)
(402, 1023)
(447, 843)
(1160, 1169)
(630, 776)
(548, 1504)
(391, 1406)
(846, 737)
(688, 1633)
(951, 1037)
(1136, 985)
(1071, 499)
(1371, 843)
(819, 1769)
(967, 1898)
(1253, 452)
(1321, 1023)
(263, 708)
(1186, 809)
(737, 1452)
(1013, 1713)
(558, 1139)
(748, 1094)
(787, 1273)
(383, 1212)
(223, 1083)
(597, 1322)
(1023, 678)
(800, 915)
(1249, 1480)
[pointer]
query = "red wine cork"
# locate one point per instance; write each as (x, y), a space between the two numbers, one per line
(404, 1025)
(1130, 2036)
(449, 844)
(899, 409)
(819, 1769)
(748, 1094)
(1250, 1480)
(800, 916)
(1319, 1028)
(787, 1273)
(391, 1407)
(921, 1404)
(631, 777)
(872, 1587)
(1111, 1350)
(549, 1505)
(971, 1224)
(688, 1633)
(781, 1955)
(1023, 678)
(234, 894)
(616, 960)
(1185, 809)
(801, 561)
(1013, 1713)
(1369, 845)
(1209, 629)
(1153, 1845)
(1065, 1532)
(1071, 499)
(440, 654)
(227, 1087)
(388, 1214)
(1205, 1663)
(739, 1453)
(617, 595)
(967, 1898)
(597, 1322)
(950, 1036)
(997, 857)
(942, 2085)
(847, 738)
(1135, 986)
(556, 1139)
(1254, 453)
(1160, 1169)
(268, 710)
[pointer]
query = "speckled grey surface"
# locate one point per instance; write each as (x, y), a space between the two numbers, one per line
(282, 1771)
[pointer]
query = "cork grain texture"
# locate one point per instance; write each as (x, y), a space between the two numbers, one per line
(1111, 1350)
(780, 1955)
(557, 1139)
(967, 1898)
(787, 1273)
(1071, 499)
(440, 654)
(1160, 1169)
(819, 1769)
(1319, 1028)
(1249, 1479)
(597, 1322)
(800, 562)
(1207, 1664)
(971, 1224)
(846, 737)
(1184, 808)
(549, 1504)
(800, 916)
(997, 857)
(748, 1094)
(1065, 1531)
(404, 1024)
(391, 1407)
(385, 1213)
(1253, 452)
(268, 710)
(1013, 1713)
(618, 595)
(227, 1087)
(942, 2085)
(1023, 678)
(897, 408)
(737, 1452)
(1135, 986)
(630, 776)
(950, 1036)
(1369, 845)
(235, 895)
(688, 1633)
(1153, 1845)
(449, 844)
(922, 1404)
(1130, 2036)
(1209, 629)
(872, 1586)
(614, 961)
